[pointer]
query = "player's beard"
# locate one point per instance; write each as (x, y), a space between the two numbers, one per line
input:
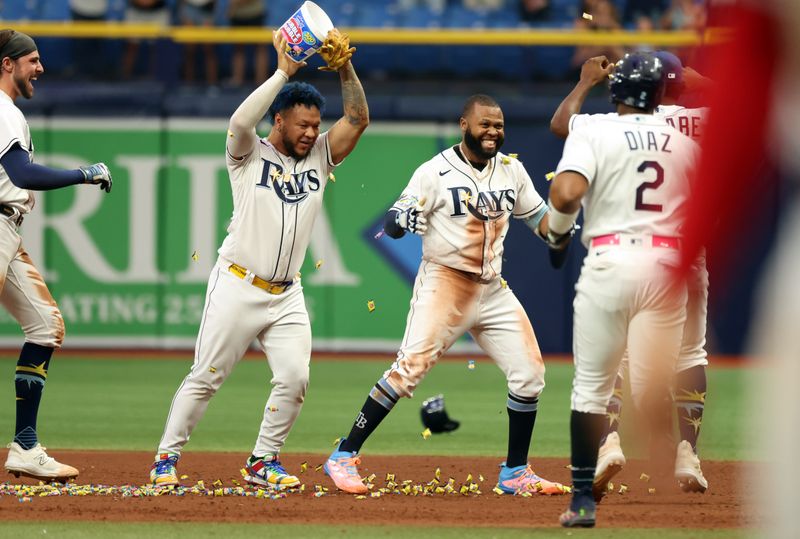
(24, 87)
(474, 144)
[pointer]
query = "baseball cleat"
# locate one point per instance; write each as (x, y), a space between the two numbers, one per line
(520, 479)
(687, 469)
(163, 472)
(267, 471)
(582, 517)
(36, 463)
(342, 468)
(610, 461)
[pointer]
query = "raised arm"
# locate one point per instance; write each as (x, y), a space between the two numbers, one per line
(345, 133)
(242, 135)
(594, 71)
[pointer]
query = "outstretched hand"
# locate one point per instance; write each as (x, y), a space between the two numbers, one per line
(285, 62)
(97, 174)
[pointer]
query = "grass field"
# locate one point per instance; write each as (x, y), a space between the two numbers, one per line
(112, 403)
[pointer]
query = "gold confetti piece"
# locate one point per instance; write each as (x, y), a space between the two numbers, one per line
(375, 495)
(184, 476)
(303, 467)
(318, 468)
(230, 133)
(610, 486)
(503, 283)
(298, 275)
(361, 497)
(331, 177)
(550, 175)
(651, 490)
(505, 160)
(497, 491)
(371, 305)
(337, 441)
(526, 494)
(538, 486)
(439, 490)
(318, 494)
(623, 488)
(389, 477)
(471, 364)
(463, 490)
(438, 473)
(469, 478)
(480, 478)
(644, 477)
(370, 478)
(273, 408)
(426, 434)
(302, 488)
(318, 264)
(212, 370)
(217, 483)
(587, 16)
(195, 256)
(514, 155)
(274, 175)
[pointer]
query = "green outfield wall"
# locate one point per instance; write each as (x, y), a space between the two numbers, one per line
(121, 266)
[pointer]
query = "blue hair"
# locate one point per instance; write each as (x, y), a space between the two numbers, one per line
(296, 93)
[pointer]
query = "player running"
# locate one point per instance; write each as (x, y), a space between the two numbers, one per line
(690, 383)
(23, 292)
(254, 291)
(630, 171)
(461, 202)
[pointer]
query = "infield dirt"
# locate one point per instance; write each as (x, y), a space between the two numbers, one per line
(724, 505)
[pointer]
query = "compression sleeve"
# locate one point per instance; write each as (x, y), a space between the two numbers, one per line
(27, 175)
(390, 225)
(242, 128)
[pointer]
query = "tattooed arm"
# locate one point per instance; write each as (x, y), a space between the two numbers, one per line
(344, 135)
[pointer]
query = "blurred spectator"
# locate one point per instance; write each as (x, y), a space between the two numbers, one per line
(248, 13)
(652, 9)
(199, 13)
(143, 12)
(603, 16)
(434, 5)
(483, 5)
(685, 15)
(534, 10)
(85, 51)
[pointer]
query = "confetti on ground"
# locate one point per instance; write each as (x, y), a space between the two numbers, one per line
(379, 235)
(471, 364)
(389, 477)
(497, 491)
(480, 478)
(438, 473)
(651, 490)
(318, 468)
(644, 477)
(550, 175)
(371, 305)
(623, 488)
(331, 177)
(318, 264)
(362, 497)
(587, 16)
(184, 476)
(195, 256)
(503, 283)
(303, 467)
(426, 434)
(610, 486)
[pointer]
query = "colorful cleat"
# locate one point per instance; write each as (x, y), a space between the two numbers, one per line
(687, 469)
(610, 461)
(521, 479)
(342, 468)
(36, 463)
(583, 517)
(163, 472)
(267, 471)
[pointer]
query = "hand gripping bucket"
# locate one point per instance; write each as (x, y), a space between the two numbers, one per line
(305, 31)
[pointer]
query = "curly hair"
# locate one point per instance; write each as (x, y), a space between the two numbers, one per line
(296, 93)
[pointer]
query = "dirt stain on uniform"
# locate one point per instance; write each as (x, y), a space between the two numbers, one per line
(529, 338)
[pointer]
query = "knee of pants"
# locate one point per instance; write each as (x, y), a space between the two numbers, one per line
(293, 382)
(687, 362)
(48, 331)
(528, 387)
(407, 373)
(588, 403)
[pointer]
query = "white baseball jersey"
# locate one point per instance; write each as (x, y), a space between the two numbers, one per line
(276, 199)
(468, 210)
(637, 167)
(690, 122)
(14, 130)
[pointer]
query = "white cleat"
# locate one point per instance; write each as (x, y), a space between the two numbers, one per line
(687, 469)
(36, 463)
(610, 461)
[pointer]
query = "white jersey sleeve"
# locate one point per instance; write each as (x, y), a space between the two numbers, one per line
(529, 202)
(416, 192)
(579, 156)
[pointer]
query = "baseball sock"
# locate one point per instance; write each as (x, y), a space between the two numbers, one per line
(585, 432)
(379, 403)
(521, 418)
(690, 398)
(614, 409)
(29, 381)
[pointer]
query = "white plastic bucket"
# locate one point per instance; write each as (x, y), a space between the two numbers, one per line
(305, 31)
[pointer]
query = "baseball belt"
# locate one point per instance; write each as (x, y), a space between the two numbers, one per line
(272, 288)
(637, 240)
(13, 215)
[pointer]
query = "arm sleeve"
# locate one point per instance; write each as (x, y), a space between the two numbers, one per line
(579, 155)
(529, 203)
(27, 175)
(414, 193)
(242, 136)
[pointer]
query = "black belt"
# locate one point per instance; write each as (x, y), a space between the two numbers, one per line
(14, 215)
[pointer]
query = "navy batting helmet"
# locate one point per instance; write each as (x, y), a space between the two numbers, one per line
(638, 81)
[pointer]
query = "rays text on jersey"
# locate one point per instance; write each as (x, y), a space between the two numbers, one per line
(295, 189)
(488, 205)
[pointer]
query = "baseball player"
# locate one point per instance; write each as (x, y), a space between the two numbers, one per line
(461, 202)
(630, 171)
(254, 291)
(23, 292)
(690, 383)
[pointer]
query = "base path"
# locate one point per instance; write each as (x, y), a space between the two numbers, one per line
(106, 490)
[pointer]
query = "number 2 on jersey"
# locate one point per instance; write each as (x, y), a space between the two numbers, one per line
(655, 184)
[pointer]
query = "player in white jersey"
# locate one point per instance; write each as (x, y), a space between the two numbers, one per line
(23, 292)
(461, 201)
(631, 174)
(254, 291)
(690, 383)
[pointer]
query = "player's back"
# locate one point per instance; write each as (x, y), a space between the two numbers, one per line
(690, 122)
(637, 167)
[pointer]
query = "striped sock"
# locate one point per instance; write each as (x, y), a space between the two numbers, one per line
(379, 403)
(521, 418)
(29, 381)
